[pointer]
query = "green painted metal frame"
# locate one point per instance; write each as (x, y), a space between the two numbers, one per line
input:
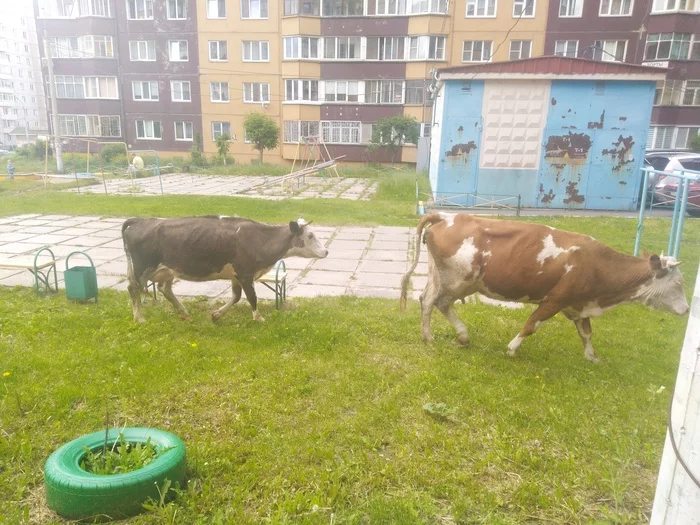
(40, 276)
(279, 286)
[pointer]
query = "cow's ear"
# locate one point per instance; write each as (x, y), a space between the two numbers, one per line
(294, 227)
(655, 263)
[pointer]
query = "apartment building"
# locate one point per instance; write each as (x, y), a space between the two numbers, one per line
(125, 71)
(22, 103)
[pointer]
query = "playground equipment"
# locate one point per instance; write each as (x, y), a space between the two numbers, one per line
(314, 158)
(685, 177)
(153, 168)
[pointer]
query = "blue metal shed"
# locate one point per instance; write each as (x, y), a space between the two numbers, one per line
(553, 132)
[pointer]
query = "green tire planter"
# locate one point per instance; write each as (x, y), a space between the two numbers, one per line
(74, 493)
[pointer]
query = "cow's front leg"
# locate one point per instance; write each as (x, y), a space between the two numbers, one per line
(544, 311)
(444, 304)
(167, 291)
(583, 327)
(249, 289)
(235, 297)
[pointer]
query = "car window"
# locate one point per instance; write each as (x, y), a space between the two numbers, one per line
(691, 164)
(659, 163)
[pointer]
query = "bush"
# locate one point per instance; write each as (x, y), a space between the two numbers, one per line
(112, 152)
(36, 150)
(197, 158)
(694, 143)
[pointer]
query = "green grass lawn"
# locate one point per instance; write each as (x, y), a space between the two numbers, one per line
(333, 411)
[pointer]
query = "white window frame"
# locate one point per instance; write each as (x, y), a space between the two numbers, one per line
(140, 85)
(173, 91)
(170, 50)
(391, 7)
(419, 85)
(483, 50)
(262, 89)
(606, 55)
(138, 47)
(524, 5)
(294, 90)
(221, 125)
(294, 45)
(520, 49)
(342, 14)
(182, 3)
(146, 4)
(93, 82)
(674, 132)
(145, 125)
(670, 47)
(691, 87)
(425, 45)
(330, 129)
(391, 88)
(571, 8)
(610, 7)
(256, 14)
(336, 88)
(217, 3)
(92, 124)
(262, 45)
(485, 5)
(385, 52)
(337, 41)
(660, 6)
(62, 87)
(183, 125)
(223, 99)
(218, 46)
(565, 44)
(298, 129)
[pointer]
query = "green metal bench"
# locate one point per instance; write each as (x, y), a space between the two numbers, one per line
(276, 280)
(40, 269)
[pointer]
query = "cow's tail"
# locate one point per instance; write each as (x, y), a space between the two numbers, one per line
(129, 263)
(429, 219)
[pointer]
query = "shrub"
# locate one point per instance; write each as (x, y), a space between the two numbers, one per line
(111, 152)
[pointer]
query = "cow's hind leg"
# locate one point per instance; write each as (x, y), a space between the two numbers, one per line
(544, 311)
(249, 289)
(583, 326)
(444, 304)
(167, 291)
(427, 302)
(135, 293)
(235, 297)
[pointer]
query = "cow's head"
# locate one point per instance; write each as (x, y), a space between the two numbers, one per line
(665, 292)
(304, 242)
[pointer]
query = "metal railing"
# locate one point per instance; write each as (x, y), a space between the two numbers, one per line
(680, 204)
(475, 201)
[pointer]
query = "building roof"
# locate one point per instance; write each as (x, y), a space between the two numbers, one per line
(20, 131)
(553, 67)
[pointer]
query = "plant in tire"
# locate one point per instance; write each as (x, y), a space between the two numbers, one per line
(121, 457)
(75, 493)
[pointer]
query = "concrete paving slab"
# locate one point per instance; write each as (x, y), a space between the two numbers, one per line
(322, 277)
(374, 291)
(370, 266)
(378, 280)
(297, 263)
(4, 273)
(344, 254)
(70, 221)
(117, 243)
(419, 282)
(49, 238)
(111, 268)
(5, 228)
(337, 265)
(32, 222)
(107, 234)
(22, 217)
(38, 229)
(352, 236)
(13, 237)
(86, 241)
(104, 254)
(191, 289)
(312, 290)
(347, 245)
(108, 281)
(421, 269)
(16, 248)
(386, 255)
(388, 245)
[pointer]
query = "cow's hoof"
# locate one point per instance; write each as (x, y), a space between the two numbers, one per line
(216, 315)
(593, 358)
(463, 339)
(186, 318)
(512, 353)
(429, 340)
(139, 320)
(258, 317)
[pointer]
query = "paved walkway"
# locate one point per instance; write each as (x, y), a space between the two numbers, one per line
(366, 262)
(328, 187)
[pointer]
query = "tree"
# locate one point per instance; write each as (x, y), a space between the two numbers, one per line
(694, 143)
(222, 145)
(393, 132)
(262, 131)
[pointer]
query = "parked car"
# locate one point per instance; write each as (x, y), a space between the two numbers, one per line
(4, 152)
(666, 186)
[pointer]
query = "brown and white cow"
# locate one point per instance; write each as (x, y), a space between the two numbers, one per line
(559, 270)
(209, 248)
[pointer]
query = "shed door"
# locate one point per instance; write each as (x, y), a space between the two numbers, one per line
(563, 175)
(460, 160)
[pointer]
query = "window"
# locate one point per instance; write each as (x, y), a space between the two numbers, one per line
(101, 87)
(667, 6)
(342, 47)
(180, 91)
(256, 51)
(218, 51)
(610, 50)
(415, 91)
(177, 50)
(303, 7)
(220, 128)
(296, 47)
(429, 6)
(616, 7)
(391, 7)
(183, 130)
(89, 126)
(426, 48)
(342, 7)
(667, 46)
(177, 9)
(69, 86)
(256, 92)
(340, 132)
(384, 92)
(145, 90)
(96, 46)
(691, 94)
(524, 8)
(253, 8)
(295, 130)
(139, 9)
(218, 92)
(481, 8)
(668, 93)
(385, 48)
(566, 48)
(570, 8)
(216, 8)
(519, 49)
(74, 9)
(301, 90)
(342, 91)
(148, 129)
(476, 51)
(142, 50)
(64, 47)
(668, 137)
